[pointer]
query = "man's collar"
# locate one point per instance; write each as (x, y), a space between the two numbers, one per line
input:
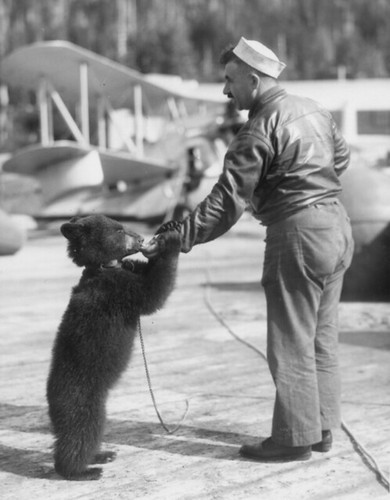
(268, 96)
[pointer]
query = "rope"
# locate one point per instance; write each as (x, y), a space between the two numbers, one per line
(177, 191)
(165, 427)
(219, 318)
(367, 458)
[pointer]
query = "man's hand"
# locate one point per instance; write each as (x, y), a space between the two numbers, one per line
(157, 244)
(151, 248)
(172, 225)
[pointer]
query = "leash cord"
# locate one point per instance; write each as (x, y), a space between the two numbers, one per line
(367, 458)
(219, 318)
(165, 427)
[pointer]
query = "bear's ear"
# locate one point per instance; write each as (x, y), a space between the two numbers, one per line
(71, 230)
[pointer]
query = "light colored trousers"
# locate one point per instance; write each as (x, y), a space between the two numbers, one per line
(305, 260)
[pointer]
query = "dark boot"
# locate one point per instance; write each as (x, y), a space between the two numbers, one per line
(268, 451)
(326, 443)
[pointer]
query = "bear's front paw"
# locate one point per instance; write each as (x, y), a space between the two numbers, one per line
(160, 244)
(128, 264)
(169, 241)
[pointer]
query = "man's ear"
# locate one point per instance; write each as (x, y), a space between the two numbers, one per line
(255, 81)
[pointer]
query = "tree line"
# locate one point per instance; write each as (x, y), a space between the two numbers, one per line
(316, 38)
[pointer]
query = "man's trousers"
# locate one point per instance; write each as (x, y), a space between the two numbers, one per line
(305, 260)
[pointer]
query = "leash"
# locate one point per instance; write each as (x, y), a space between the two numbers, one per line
(367, 458)
(164, 426)
(219, 318)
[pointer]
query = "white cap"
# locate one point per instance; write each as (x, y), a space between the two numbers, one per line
(258, 56)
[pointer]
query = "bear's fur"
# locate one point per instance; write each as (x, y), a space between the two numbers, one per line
(95, 337)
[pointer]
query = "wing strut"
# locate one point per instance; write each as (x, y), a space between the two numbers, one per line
(139, 120)
(84, 101)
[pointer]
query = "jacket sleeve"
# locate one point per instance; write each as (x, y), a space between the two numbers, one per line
(341, 151)
(221, 209)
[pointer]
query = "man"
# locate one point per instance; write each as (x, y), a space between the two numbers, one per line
(284, 165)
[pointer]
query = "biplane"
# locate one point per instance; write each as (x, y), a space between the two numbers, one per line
(133, 145)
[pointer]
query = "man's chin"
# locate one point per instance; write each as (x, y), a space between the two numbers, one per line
(233, 100)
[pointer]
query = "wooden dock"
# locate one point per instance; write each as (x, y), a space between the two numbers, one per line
(195, 361)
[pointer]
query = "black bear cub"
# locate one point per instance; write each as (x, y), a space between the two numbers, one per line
(95, 337)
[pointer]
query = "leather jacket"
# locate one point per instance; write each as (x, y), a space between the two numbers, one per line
(287, 156)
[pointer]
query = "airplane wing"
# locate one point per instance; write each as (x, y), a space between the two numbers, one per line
(116, 165)
(60, 61)
(119, 165)
(32, 158)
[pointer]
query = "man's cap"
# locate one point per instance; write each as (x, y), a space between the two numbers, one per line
(259, 57)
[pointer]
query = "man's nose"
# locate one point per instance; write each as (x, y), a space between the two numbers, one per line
(226, 89)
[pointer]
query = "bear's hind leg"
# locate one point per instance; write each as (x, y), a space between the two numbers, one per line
(71, 459)
(78, 441)
(89, 474)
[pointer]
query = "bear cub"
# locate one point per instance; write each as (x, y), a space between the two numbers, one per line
(94, 339)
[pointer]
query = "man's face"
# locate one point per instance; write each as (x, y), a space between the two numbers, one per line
(238, 85)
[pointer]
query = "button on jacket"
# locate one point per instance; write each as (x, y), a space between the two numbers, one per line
(287, 156)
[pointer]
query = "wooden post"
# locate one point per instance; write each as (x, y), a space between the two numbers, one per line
(132, 148)
(349, 120)
(4, 100)
(72, 125)
(101, 123)
(139, 123)
(84, 101)
(44, 112)
(173, 109)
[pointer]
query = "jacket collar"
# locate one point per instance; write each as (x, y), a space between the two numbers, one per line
(270, 95)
